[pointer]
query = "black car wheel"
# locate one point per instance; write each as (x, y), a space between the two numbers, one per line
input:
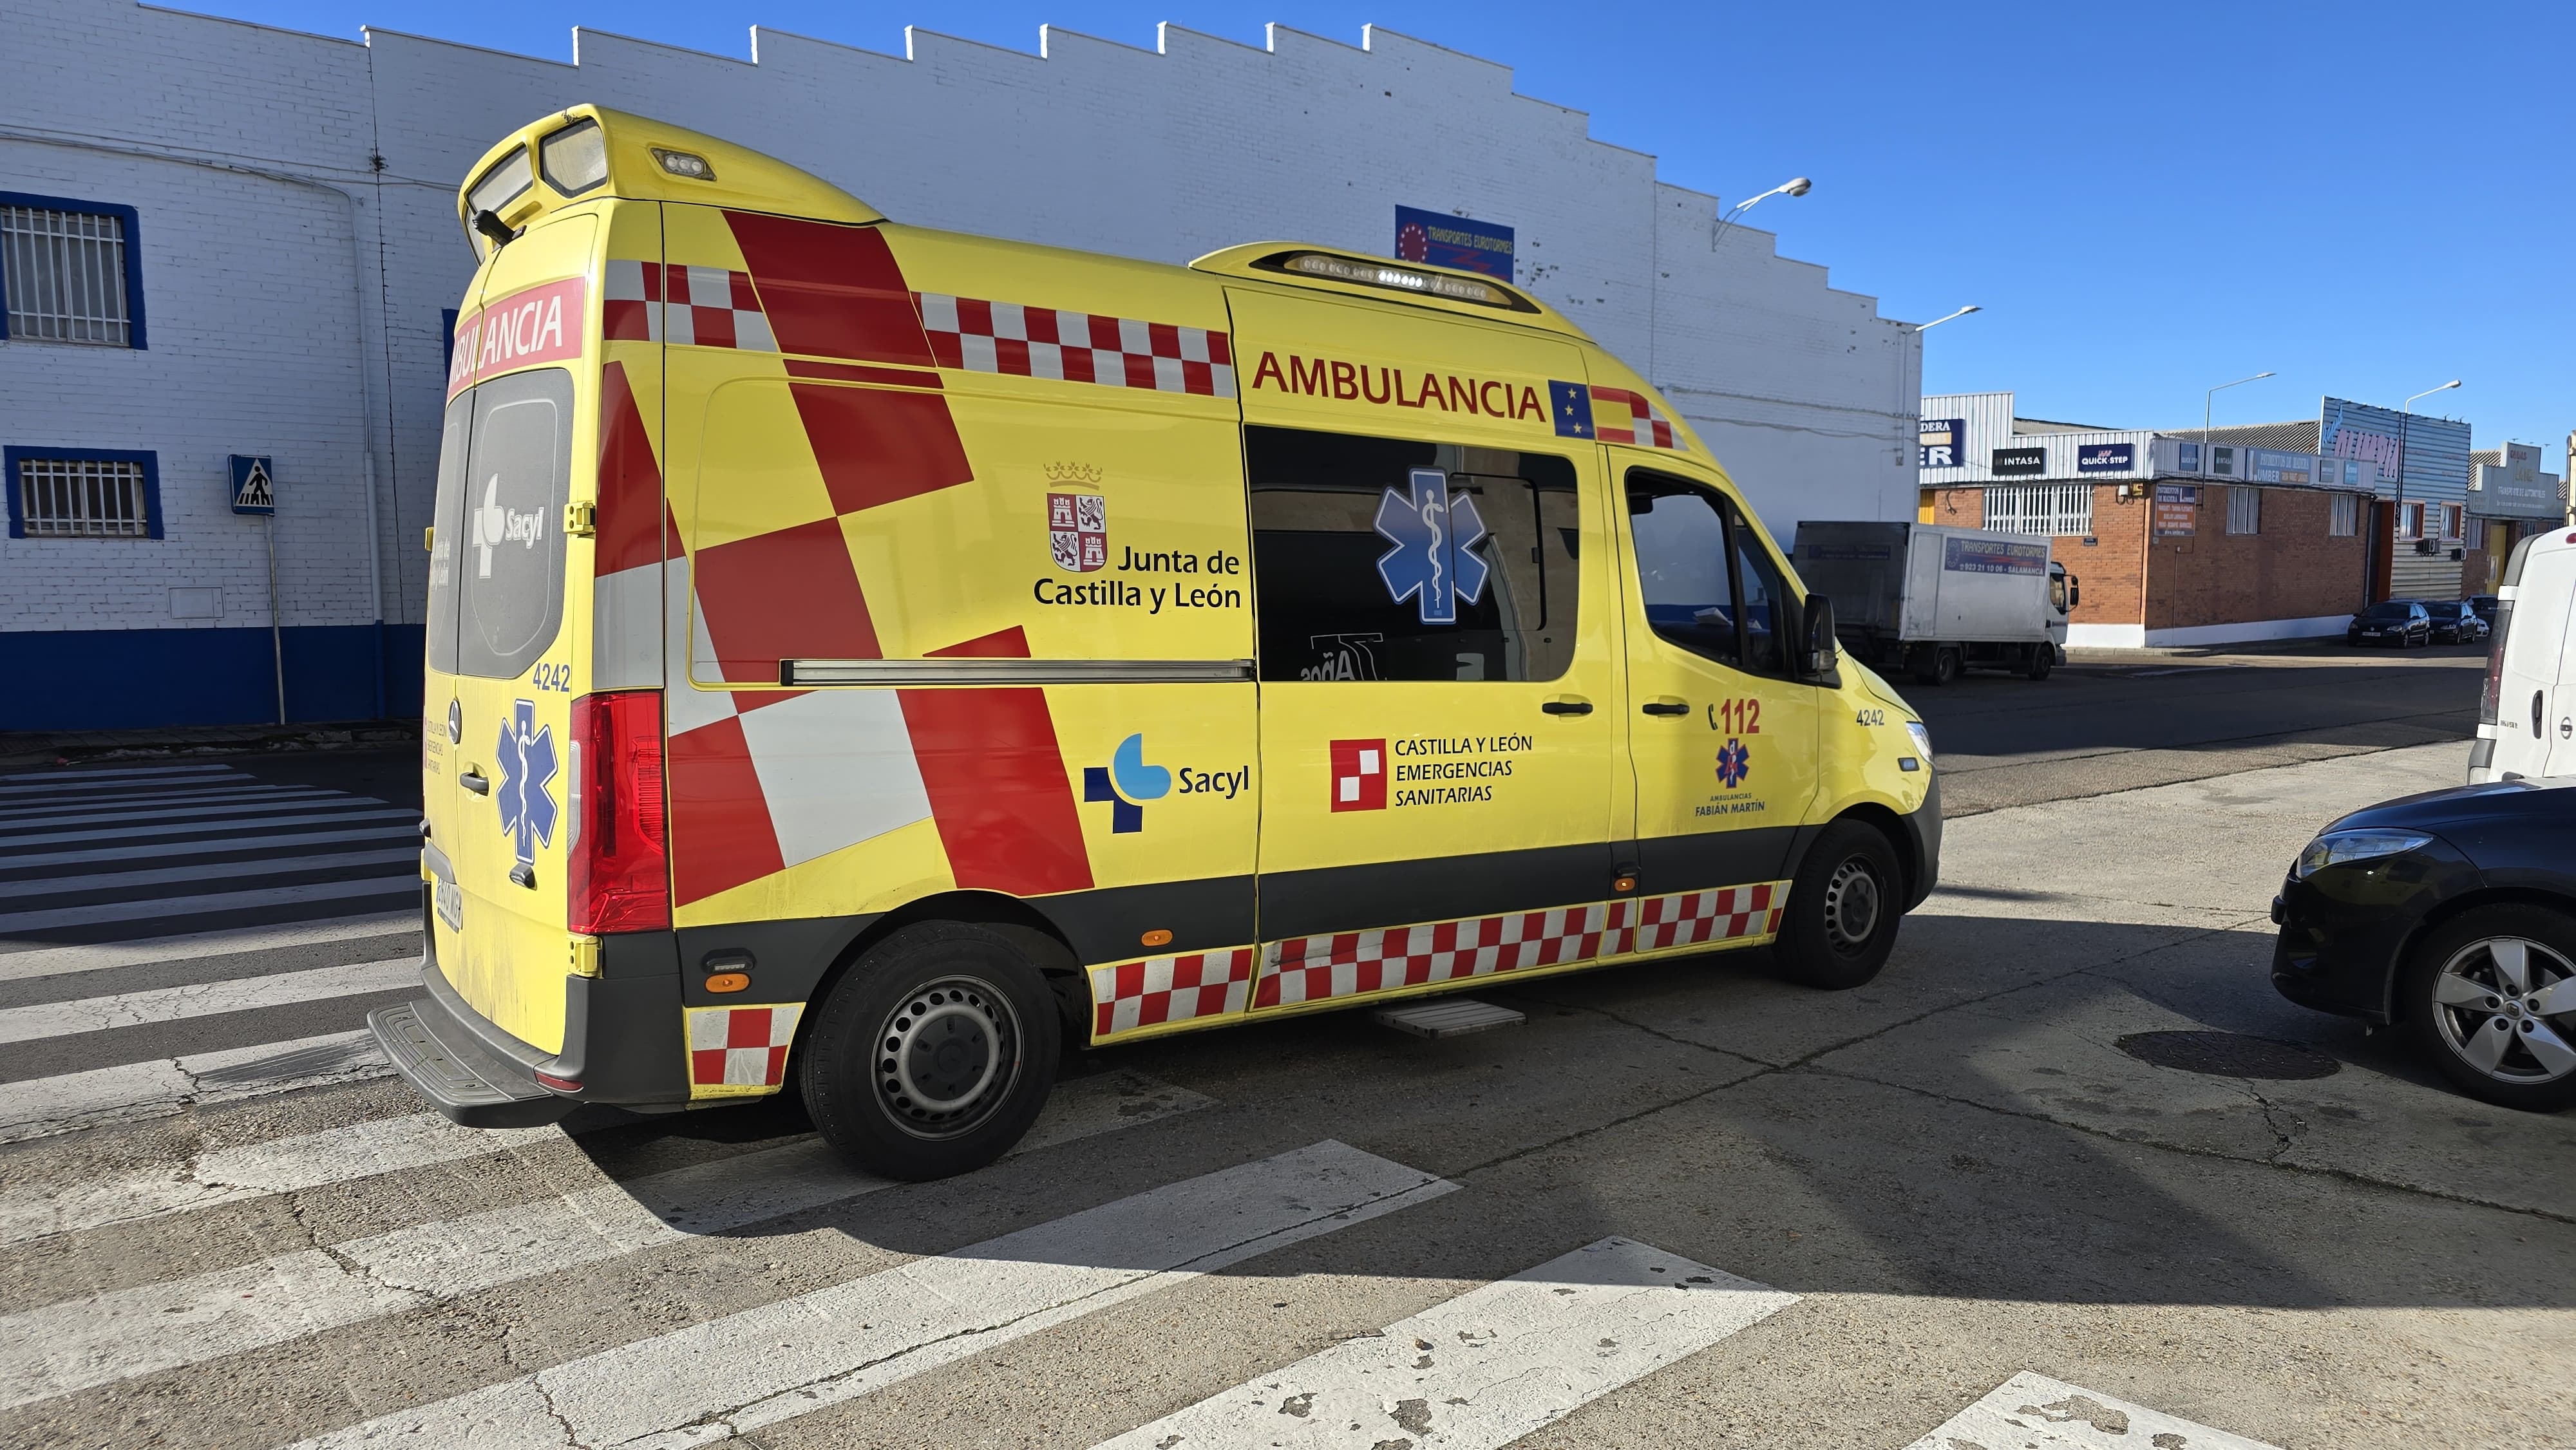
(1844, 905)
(2491, 997)
(933, 1054)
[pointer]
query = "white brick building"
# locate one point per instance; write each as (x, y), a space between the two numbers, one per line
(291, 209)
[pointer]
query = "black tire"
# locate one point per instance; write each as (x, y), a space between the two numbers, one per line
(933, 1053)
(1936, 665)
(2463, 951)
(2043, 658)
(1844, 906)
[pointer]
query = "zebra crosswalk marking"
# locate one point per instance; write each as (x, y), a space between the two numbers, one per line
(2033, 1412)
(336, 817)
(219, 845)
(764, 1365)
(212, 794)
(1483, 1369)
(203, 946)
(56, 777)
(215, 871)
(315, 801)
(205, 999)
(54, 918)
(77, 1343)
(127, 1092)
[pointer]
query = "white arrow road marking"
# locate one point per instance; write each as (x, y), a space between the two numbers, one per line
(205, 999)
(2034, 1412)
(128, 1091)
(77, 1343)
(761, 1366)
(1488, 1367)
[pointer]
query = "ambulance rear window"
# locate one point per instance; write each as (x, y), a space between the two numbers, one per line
(1343, 600)
(497, 556)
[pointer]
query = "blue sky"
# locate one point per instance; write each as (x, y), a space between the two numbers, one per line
(2146, 198)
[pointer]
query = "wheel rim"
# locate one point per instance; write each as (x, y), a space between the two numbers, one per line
(947, 1056)
(2507, 1006)
(1852, 906)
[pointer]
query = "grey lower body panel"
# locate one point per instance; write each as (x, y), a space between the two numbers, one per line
(467, 1083)
(1923, 827)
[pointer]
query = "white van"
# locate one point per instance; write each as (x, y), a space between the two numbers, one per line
(2527, 722)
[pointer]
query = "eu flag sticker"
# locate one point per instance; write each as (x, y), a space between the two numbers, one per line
(1571, 405)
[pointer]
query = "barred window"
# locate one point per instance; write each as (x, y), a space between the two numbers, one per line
(2345, 518)
(65, 494)
(67, 275)
(2245, 511)
(2045, 509)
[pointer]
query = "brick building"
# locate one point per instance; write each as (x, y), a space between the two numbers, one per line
(2172, 544)
(261, 227)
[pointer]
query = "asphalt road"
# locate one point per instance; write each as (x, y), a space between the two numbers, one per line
(1683, 1204)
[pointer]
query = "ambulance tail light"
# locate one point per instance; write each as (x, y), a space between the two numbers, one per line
(619, 873)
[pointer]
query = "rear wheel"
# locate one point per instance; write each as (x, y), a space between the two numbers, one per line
(1844, 905)
(933, 1054)
(2491, 998)
(1938, 666)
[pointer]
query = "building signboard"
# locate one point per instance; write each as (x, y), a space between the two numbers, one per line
(2177, 510)
(1993, 556)
(1453, 241)
(2517, 488)
(2430, 454)
(2266, 465)
(2187, 457)
(2105, 458)
(1943, 441)
(2019, 462)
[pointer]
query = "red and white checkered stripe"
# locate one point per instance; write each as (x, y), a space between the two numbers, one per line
(740, 1047)
(1738, 911)
(1353, 964)
(1080, 347)
(1644, 425)
(692, 306)
(1129, 995)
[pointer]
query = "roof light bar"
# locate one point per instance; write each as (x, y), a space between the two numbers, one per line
(1364, 272)
(684, 163)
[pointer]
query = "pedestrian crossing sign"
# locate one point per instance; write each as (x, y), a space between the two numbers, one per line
(254, 492)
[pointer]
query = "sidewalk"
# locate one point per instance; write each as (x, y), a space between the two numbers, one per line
(34, 749)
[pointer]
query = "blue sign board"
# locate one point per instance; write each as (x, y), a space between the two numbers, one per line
(1941, 443)
(1453, 241)
(2105, 457)
(254, 485)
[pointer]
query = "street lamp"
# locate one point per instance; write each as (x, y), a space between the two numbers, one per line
(1794, 186)
(2406, 438)
(1937, 321)
(2206, 403)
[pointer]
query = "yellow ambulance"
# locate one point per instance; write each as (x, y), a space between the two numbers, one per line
(870, 659)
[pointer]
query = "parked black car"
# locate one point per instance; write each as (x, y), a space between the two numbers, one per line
(2485, 605)
(2401, 622)
(2454, 622)
(2452, 914)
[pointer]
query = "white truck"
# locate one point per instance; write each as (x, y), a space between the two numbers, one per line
(1935, 600)
(2527, 721)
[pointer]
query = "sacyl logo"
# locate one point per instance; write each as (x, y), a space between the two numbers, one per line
(496, 524)
(1127, 784)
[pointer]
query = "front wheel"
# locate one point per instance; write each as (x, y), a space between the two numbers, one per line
(2043, 657)
(1844, 905)
(2491, 998)
(933, 1054)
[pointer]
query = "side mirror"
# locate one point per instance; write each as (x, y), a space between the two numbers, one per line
(2074, 595)
(1820, 658)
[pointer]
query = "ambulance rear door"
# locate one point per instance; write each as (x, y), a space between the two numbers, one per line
(525, 377)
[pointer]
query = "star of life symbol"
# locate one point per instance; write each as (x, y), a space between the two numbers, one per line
(496, 524)
(527, 758)
(1078, 531)
(1734, 763)
(1434, 533)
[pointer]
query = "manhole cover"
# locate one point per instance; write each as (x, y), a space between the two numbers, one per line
(2227, 1054)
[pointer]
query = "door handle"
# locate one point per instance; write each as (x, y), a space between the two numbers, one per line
(1666, 705)
(1567, 706)
(2535, 714)
(475, 780)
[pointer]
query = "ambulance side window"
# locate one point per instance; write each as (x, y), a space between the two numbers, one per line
(447, 522)
(1394, 559)
(1708, 583)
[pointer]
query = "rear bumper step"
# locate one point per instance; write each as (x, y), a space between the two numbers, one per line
(460, 1077)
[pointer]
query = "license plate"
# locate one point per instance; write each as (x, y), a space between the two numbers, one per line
(449, 899)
